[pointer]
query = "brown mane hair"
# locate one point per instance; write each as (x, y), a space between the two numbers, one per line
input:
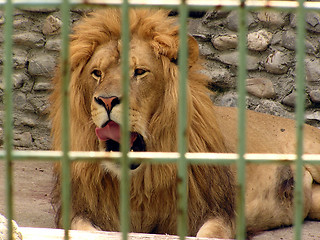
(89, 181)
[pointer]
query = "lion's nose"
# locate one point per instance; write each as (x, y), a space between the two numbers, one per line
(107, 102)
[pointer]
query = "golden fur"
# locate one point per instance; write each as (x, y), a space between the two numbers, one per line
(95, 47)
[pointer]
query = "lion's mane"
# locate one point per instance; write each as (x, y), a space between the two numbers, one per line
(211, 190)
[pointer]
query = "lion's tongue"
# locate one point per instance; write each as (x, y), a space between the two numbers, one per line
(112, 131)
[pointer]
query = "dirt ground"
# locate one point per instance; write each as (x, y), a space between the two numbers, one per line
(32, 187)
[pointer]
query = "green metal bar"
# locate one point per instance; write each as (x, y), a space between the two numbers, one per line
(65, 71)
(241, 164)
(182, 123)
(8, 104)
(300, 101)
(125, 180)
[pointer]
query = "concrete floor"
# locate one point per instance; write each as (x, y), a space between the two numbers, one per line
(32, 187)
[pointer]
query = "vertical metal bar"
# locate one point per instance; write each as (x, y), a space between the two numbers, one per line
(242, 74)
(182, 122)
(65, 71)
(125, 181)
(8, 104)
(300, 101)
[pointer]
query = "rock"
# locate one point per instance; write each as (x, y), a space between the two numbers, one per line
(42, 65)
(232, 59)
(277, 63)
(272, 18)
(315, 96)
(289, 39)
(289, 42)
(233, 20)
(271, 107)
(19, 79)
(53, 44)
(312, 21)
(40, 104)
(225, 42)
(27, 121)
(276, 38)
(290, 100)
(260, 87)
(220, 77)
(51, 25)
(312, 47)
(313, 116)
(259, 41)
(42, 86)
(29, 39)
(206, 49)
(20, 22)
(313, 72)
(19, 59)
(229, 100)
(19, 100)
(16, 234)
(214, 15)
(41, 10)
(23, 140)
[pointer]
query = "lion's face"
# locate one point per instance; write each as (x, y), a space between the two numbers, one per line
(146, 88)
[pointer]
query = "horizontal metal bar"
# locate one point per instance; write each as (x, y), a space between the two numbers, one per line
(207, 3)
(162, 157)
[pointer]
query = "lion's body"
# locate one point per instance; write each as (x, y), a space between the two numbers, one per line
(95, 99)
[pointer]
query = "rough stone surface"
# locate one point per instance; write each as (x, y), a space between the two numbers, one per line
(277, 63)
(272, 18)
(271, 57)
(53, 45)
(41, 65)
(315, 96)
(233, 20)
(259, 41)
(232, 58)
(51, 25)
(225, 42)
(29, 39)
(312, 21)
(313, 71)
(260, 87)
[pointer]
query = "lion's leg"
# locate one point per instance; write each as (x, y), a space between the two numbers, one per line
(79, 223)
(216, 227)
(314, 212)
(314, 171)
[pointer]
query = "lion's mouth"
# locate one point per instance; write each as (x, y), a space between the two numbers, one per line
(110, 134)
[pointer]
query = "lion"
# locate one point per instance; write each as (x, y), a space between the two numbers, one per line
(96, 110)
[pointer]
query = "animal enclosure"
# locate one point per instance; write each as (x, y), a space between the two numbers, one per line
(181, 158)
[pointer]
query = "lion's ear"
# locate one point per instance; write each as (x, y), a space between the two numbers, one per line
(193, 50)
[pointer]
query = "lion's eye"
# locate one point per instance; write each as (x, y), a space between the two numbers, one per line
(139, 72)
(96, 74)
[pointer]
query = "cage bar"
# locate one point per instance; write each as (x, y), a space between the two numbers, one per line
(182, 187)
(65, 160)
(124, 146)
(8, 104)
(241, 87)
(300, 101)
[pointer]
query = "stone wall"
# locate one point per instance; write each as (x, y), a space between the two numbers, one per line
(271, 65)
